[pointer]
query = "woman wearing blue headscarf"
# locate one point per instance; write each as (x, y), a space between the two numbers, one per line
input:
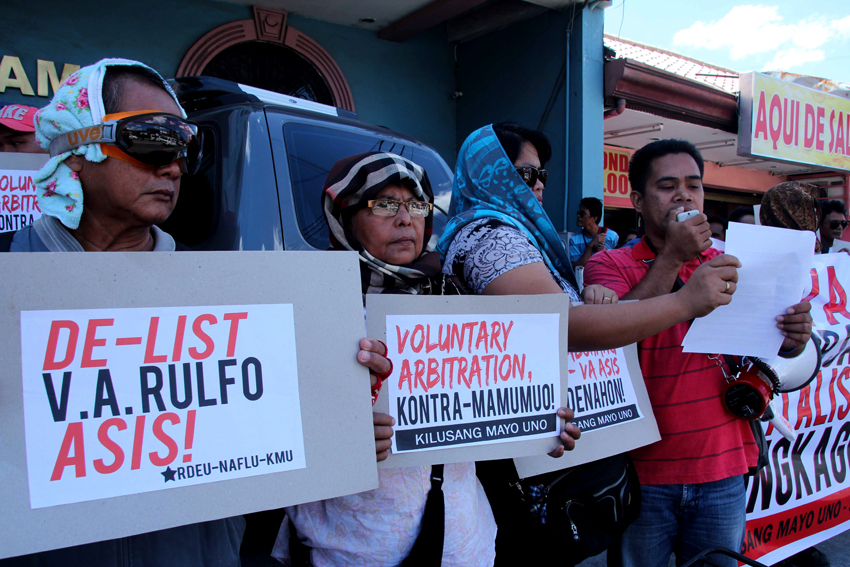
(500, 241)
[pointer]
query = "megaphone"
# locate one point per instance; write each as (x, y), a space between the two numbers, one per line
(748, 396)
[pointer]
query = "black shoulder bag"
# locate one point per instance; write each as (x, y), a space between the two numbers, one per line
(564, 516)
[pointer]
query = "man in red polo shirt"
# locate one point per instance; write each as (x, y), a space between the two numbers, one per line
(693, 485)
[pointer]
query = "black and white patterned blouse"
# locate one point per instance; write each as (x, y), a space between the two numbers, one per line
(487, 248)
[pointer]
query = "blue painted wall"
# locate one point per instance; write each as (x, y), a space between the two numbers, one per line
(406, 87)
(510, 75)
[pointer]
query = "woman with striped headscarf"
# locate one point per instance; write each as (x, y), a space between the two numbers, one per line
(380, 206)
(362, 202)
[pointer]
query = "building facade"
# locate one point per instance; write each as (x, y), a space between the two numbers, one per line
(435, 70)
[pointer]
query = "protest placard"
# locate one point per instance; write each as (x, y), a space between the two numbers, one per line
(139, 373)
(611, 406)
(801, 497)
(474, 377)
(18, 203)
(144, 391)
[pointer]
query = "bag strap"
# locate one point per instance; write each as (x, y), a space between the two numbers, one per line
(453, 285)
(733, 363)
(427, 550)
(299, 552)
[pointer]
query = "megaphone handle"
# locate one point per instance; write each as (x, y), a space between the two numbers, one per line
(781, 424)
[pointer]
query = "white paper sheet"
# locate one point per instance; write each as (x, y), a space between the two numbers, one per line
(839, 245)
(775, 264)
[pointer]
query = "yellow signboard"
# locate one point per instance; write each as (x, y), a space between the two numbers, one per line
(783, 121)
(617, 189)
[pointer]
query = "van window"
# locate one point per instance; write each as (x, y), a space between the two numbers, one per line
(313, 150)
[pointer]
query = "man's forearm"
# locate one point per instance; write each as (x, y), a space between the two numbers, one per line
(659, 279)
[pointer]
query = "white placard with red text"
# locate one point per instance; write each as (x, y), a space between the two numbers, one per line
(602, 392)
(18, 202)
(612, 408)
(140, 391)
(125, 401)
(466, 380)
(474, 378)
(803, 496)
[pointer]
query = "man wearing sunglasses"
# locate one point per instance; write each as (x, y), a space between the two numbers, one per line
(833, 223)
(591, 238)
(131, 185)
(128, 186)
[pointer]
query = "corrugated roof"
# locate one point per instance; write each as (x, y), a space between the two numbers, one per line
(717, 77)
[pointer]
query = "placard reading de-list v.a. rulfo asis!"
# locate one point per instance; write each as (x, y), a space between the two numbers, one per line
(472, 376)
(143, 391)
(123, 401)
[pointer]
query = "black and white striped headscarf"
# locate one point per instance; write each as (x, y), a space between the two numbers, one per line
(351, 183)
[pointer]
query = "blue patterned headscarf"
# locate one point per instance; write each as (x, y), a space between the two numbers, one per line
(486, 185)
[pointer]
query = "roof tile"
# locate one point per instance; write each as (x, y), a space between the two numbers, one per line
(712, 75)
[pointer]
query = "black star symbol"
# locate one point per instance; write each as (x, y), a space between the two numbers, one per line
(168, 474)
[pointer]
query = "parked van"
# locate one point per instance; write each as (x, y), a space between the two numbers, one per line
(265, 160)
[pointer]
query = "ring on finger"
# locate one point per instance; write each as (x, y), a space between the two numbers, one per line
(608, 298)
(727, 288)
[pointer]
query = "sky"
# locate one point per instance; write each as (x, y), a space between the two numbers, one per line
(801, 36)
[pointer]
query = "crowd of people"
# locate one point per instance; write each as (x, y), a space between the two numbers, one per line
(109, 195)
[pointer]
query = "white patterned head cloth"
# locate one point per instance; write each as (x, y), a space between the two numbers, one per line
(78, 103)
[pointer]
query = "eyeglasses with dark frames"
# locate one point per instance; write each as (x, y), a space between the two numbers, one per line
(838, 223)
(531, 174)
(390, 208)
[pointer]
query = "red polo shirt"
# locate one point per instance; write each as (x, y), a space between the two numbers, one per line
(700, 440)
